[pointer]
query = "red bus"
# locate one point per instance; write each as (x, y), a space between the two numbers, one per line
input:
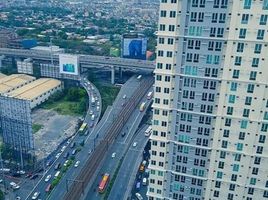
(104, 182)
(48, 188)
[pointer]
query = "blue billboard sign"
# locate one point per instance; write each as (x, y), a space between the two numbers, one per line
(134, 48)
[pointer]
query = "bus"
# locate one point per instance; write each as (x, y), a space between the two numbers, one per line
(104, 182)
(142, 107)
(83, 128)
(149, 95)
(48, 188)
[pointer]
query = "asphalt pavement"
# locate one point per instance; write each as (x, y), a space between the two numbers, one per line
(95, 137)
(120, 147)
(127, 173)
(41, 185)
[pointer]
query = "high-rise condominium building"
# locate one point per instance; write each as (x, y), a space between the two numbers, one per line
(210, 121)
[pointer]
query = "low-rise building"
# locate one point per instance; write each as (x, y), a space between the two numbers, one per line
(37, 91)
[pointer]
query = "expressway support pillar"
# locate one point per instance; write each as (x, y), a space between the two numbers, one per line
(120, 73)
(1, 60)
(112, 74)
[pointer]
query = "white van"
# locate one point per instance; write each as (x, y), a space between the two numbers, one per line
(144, 181)
(93, 117)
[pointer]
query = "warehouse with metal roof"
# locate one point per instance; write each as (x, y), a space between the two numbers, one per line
(14, 81)
(37, 91)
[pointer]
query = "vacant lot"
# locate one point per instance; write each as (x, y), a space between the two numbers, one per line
(55, 128)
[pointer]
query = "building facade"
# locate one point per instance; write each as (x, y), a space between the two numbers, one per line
(210, 106)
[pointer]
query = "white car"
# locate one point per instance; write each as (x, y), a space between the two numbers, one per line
(16, 187)
(63, 148)
(58, 155)
(98, 103)
(91, 112)
(66, 163)
(35, 195)
(21, 172)
(113, 155)
(47, 178)
(98, 108)
(138, 195)
(77, 163)
(134, 144)
(12, 184)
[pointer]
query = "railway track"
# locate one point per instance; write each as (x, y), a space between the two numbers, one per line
(87, 172)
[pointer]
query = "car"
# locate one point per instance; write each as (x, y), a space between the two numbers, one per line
(57, 166)
(91, 125)
(91, 112)
(123, 134)
(21, 172)
(68, 141)
(57, 156)
(35, 195)
(125, 96)
(72, 145)
(16, 174)
(113, 155)
(96, 99)
(1, 180)
(123, 104)
(66, 155)
(74, 152)
(34, 176)
(98, 108)
(18, 198)
(93, 117)
(98, 103)
(66, 163)
(139, 177)
(12, 184)
(77, 163)
(89, 152)
(28, 175)
(63, 148)
(48, 178)
(138, 195)
(49, 163)
(134, 144)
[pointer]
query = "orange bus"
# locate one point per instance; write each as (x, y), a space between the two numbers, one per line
(104, 182)
(48, 188)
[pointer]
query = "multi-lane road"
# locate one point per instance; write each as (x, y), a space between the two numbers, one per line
(91, 140)
(41, 185)
(121, 148)
(126, 176)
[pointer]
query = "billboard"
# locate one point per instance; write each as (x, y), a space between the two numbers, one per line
(134, 48)
(69, 64)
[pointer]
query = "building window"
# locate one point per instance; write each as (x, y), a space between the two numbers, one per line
(247, 4)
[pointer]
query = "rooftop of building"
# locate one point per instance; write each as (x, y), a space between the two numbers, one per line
(35, 89)
(8, 83)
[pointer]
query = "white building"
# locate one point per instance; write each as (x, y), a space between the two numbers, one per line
(25, 66)
(211, 101)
